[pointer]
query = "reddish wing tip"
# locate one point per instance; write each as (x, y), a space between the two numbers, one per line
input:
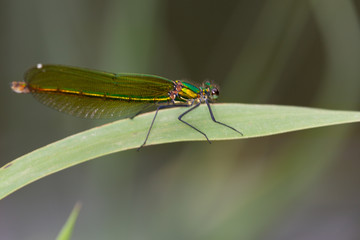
(20, 87)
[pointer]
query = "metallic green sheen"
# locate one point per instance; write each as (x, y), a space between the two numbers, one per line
(191, 87)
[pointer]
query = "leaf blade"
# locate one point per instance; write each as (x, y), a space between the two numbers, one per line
(252, 120)
(67, 229)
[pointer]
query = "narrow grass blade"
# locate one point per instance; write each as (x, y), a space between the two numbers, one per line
(66, 231)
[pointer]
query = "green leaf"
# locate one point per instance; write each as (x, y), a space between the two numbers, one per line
(66, 231)
(252, 120)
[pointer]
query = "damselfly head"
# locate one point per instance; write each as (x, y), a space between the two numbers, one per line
(211, 90)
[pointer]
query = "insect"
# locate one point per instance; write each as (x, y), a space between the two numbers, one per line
(95, 94)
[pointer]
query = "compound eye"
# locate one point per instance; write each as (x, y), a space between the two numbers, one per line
(215, 92)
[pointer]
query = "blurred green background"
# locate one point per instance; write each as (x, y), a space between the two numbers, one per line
(301, 185)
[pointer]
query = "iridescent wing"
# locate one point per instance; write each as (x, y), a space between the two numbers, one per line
(94, 94)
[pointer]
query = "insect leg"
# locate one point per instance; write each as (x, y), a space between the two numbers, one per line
(152, 123)
(186, 112)
(213, 118)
